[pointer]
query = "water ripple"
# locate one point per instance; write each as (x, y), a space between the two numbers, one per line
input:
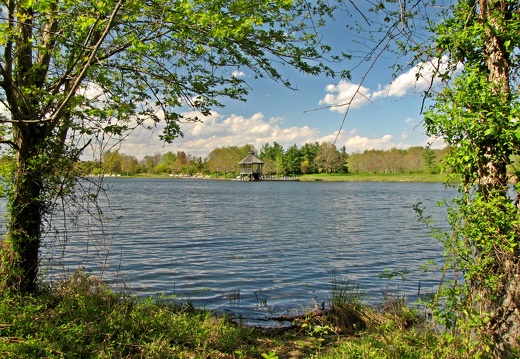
(261, 249)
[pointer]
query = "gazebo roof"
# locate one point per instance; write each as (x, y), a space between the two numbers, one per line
(251, 159)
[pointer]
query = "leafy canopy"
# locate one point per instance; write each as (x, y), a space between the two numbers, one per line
(107, 64)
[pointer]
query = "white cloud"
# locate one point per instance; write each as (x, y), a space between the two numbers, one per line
(359, 143)
(418, 79)
(435, 142)
(219, 131)
(238, 74)
(345, 93)
(400, 86)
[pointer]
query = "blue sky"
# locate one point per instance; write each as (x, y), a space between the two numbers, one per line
(386, 116)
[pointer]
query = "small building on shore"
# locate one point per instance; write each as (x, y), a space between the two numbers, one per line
(251, 168)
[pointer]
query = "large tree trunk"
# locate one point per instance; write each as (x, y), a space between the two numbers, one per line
(22, 243)
(504, 323)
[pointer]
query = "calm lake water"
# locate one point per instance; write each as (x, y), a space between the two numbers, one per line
(262, 249)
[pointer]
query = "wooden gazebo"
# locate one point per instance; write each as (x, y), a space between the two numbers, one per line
(251, 168)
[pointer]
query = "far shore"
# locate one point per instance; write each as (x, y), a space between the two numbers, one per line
(350, 177)
(378, 177)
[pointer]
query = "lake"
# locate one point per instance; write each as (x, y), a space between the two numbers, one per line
(257, 250)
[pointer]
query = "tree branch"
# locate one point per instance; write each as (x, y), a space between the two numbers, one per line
(13, 145)
(86, 66)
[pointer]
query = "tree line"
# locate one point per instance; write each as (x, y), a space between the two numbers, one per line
(310, 158)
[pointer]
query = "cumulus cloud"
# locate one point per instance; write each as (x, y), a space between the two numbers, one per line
(356, 143)
(417, 79)
(218, 131)
(435, 142)
(346, 94)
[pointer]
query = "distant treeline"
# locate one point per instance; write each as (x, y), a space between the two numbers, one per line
(310, 158)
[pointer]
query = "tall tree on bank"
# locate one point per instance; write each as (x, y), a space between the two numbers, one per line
(73, 72)
(478, 117)
(472, 65)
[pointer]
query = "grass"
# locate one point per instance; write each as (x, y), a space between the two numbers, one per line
(82, 318)
(380, 177)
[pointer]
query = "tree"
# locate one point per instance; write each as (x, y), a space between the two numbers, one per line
(215, 161)
(356, 163)
(292, 160)
(112, 162)
(149, 162)
(168, 159)
(429, 158)
(309, 151)
(74, 73)
(476, 114)
(344, 160)
(273, 156)
(226, 159)
(329, 159)
(160, 164)
(180, 162)
(129, 164)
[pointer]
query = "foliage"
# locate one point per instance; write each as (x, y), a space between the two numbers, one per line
(465, 57)
(225, 160)
(81, 317)
(273, 159)
(329, 159)
(430, 159)
(395, 160)
(475, 112)
(345, 305)
(308, 159)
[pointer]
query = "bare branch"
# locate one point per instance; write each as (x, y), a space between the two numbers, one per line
(360, 12)
(389, 39)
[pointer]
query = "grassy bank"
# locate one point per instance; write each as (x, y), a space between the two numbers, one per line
(358, 177)
(380, 177)
(81, 318)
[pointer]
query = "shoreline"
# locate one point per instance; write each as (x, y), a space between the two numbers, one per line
(380, 177)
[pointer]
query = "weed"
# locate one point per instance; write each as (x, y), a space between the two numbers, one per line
(234, 295)
(81, 317)
(395, 303)
(271, 355)
(261, 301)
(346, 305)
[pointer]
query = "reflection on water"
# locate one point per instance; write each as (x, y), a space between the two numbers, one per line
(260, 249)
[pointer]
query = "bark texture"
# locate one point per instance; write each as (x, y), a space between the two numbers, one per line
(504, 324)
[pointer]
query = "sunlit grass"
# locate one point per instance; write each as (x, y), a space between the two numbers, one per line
(82, 318)
(379, 177)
